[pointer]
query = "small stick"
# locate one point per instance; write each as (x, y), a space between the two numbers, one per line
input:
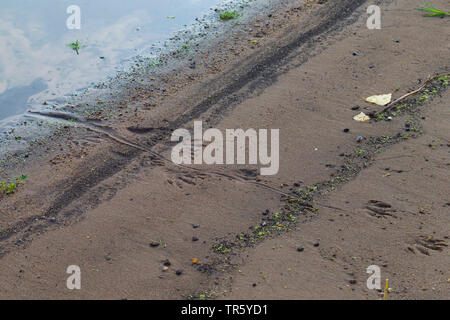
(393, 103)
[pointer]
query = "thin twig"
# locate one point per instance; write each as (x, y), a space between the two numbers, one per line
(393, 103)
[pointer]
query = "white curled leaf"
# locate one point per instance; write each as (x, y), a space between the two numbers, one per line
(361, 117)
(381, 100)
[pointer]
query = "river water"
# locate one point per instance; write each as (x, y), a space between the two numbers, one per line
(36, 60)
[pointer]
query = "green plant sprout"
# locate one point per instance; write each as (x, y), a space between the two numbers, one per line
(228, 15)
(434, 12)
(75, 46)
(9, 188)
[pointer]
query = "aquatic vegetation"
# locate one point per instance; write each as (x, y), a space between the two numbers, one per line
(229, 15)
(75, 46)
(11, 187)
(433, 11)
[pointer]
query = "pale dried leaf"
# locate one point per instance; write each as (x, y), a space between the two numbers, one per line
(381, 100)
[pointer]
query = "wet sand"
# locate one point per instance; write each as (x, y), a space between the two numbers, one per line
(94, 199)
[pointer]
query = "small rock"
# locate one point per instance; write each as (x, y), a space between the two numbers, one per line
(167, 263)
(154, 244)
(196, 226)
(360, 138)
(179, 272)
(52, 220)
(346, 130)
(300, 249)
(355, 53)
(194, 239)
(316, 244)
(164, 269)
(355, 107)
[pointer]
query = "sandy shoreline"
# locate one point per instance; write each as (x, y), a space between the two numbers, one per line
(93, 199)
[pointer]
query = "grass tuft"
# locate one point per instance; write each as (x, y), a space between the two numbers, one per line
(432, 11)
(229, 15)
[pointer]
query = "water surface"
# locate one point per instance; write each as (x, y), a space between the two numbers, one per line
(35, 61)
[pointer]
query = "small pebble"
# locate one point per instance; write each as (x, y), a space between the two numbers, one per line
(167, 263)
(355, 53)
(300, 249)
(154, 244)
(346, 130)
(316, 244)
(194, 239)
(179, 272)
(195, 226)
(355, 108)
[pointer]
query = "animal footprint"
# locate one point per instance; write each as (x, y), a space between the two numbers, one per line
(430, 243)
(380, 208)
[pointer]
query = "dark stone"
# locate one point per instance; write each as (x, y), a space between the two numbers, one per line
(154, 244)
(179, 272)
